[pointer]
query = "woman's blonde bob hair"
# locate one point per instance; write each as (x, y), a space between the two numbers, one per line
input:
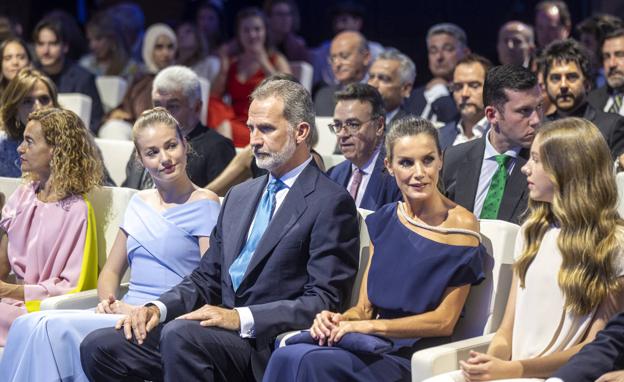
(75, 168)
(576, 156)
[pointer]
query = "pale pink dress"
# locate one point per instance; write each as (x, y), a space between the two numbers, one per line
(45, 249)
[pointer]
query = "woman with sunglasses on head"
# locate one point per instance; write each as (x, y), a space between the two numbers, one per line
(28, 91)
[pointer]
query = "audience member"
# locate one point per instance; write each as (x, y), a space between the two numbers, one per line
(74, 38)
(164, 233)
(283, 22)
(299, 262)
(568, 263)
(211, 24)
(446, 44)
(516, 44)
(567, 71)
(483, 175)
(131, 21)
(159, 49)
(349, 57)
(392, 74)
(359, 125)
(552, 22)
(592, 32)
(345, 16)
(110, 55)
(537, 67)
(51, 47)
(28, 91)
(15, 56)
(608, 98)
(177, 89)
(191, 52)
(467, 89)
(426, 256)
(239, 76)
(49, 259)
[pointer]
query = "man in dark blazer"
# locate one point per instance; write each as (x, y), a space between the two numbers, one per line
(359, 125)
(567, 75)
(513, 109)
(392, 74)
(602, 358)
(177, 89)
(246, 292)
(608, 98)
(50, 49)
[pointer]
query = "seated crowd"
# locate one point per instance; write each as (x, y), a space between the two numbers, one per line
(214, 283)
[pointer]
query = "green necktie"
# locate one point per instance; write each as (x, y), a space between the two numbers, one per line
(497, 187)
(617, 104)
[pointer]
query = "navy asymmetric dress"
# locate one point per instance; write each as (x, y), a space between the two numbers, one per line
(408, 276)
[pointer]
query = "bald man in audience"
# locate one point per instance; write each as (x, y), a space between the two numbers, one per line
(349, 57)
(516, 44)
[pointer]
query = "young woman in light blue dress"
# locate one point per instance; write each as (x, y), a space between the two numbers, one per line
(164, 232)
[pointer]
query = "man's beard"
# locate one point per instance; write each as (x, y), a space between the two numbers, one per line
(271, 161)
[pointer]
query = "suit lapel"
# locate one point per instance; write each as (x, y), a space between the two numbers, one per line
(515, 189)
(373, 189)
(344, 173)
(468, 176)
(285, 217)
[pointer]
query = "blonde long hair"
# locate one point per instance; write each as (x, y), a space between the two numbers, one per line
(577, 159)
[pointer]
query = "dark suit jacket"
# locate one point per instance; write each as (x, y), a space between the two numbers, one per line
(400, 114)
(443, 108)
(211, 153)
(73, 78)
(611, 126)
(305, 262)
(381, 189)
(324, 101)
(604, 354)
(461, 172)
(598, 97)
(447, 134)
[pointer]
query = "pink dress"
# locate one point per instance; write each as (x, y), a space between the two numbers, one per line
(46, 247)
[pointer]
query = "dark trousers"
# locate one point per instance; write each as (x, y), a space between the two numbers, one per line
(180, 351)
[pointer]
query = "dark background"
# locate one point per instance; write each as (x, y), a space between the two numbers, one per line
(402, 24)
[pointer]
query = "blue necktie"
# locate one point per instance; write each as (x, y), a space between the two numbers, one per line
(260, 224)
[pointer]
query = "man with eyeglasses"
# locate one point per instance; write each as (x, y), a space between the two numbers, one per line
(446, 44)
(359, 123)
(483, 175)
(467, 90)
(349, 58)
(51, 48)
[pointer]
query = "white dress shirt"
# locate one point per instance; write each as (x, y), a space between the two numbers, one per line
(610, 102)
(367, 170)
(488, 169)
(247, 324)
(477, 131)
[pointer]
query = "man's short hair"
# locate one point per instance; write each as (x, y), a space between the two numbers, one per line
(568, 50)
(450, 29)
(53, 25)
(298, 105)
(178, 78)
(506, 77)
(619, 32)
(407, 68)
(363, 93)
(564, 12)
(473, 58)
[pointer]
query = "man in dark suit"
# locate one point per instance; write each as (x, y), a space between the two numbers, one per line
(446, 44)
(567, 74)
(392, 74)
(608, 98)
(359, 124)
(284, 248)
(349, 57)
(69, 77)
(177, 89)
(483, 175)
(600, 360)
(467, 89)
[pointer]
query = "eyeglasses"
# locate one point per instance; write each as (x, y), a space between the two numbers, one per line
(351, 125)
(44, 100)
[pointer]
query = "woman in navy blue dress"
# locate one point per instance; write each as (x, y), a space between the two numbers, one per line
(426, 256)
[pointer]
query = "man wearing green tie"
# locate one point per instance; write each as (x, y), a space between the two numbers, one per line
(483, 175)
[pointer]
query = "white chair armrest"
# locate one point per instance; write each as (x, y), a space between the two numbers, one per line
(82, 300)
(444, 358)
(280, 341)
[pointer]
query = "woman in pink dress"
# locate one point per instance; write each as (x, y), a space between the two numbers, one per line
(47, 229)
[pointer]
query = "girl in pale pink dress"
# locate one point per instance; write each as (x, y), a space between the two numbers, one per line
(47, 229)
(569, 259)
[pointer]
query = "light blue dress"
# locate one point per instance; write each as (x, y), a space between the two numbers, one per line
(162, 248)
